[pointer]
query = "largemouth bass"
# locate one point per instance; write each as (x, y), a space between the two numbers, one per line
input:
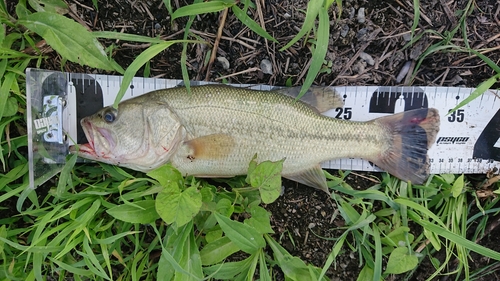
(216, 130)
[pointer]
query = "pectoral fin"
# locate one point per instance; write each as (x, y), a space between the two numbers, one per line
(320, 98)
(313, 177)
(210, 147)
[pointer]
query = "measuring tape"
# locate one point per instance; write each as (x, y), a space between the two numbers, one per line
(468, 140)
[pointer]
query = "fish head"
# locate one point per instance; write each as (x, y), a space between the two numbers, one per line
(139, 135)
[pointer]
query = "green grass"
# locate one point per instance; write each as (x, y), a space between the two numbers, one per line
(101, 222)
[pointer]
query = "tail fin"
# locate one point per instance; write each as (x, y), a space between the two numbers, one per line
(412, 133)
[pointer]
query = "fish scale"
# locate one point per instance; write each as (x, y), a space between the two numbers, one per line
(303, 133)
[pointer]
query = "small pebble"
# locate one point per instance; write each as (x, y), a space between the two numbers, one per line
(351, 11)
(368, 58)
(311, 225)
(344, 30)
(266, 66)
(287, 16)
(224, 62)
(361, 15)
(407, 37)
(404, 70)
(362, 33)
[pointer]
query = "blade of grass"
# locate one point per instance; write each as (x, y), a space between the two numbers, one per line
(319, 53)
(94, 265)
(483, 87)
(421, 209)
(126, 37)
(377, 270)
(65, 175)
(250, 23)
(313, 9)
(185, 74)
(139, 61)
(201, 8)
(72, 269)
(416, 16)
(455, 238)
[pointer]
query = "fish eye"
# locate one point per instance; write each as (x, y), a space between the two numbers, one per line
(109, 116)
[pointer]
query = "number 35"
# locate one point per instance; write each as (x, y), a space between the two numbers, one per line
(457, 116)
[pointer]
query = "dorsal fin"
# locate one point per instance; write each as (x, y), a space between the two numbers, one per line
(321, 98)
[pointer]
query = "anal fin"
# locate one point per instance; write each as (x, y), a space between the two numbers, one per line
(313, 177)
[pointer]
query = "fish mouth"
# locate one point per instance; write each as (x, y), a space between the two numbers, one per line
(88, 150)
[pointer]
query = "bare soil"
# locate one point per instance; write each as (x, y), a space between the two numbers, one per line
(302, 218)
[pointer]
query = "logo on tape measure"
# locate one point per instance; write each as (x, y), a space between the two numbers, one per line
(452, 140)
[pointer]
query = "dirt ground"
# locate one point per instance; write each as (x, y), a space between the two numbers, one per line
(363, 50)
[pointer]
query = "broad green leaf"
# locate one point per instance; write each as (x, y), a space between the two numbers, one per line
(217, 251)
(70, 39)
(449, 178)
(458, 186)
(53, 6)
(144, 213)
(252, 165)
(397, 236)
(201, 8)
(225, 207)
(400, 261)
(175, 206)
(166, 175)
(366, 274)
(213, 235)
(206, 194)
(11, 107)
(267, 178)
(250, 23)
(247, 238)
(260, 220)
